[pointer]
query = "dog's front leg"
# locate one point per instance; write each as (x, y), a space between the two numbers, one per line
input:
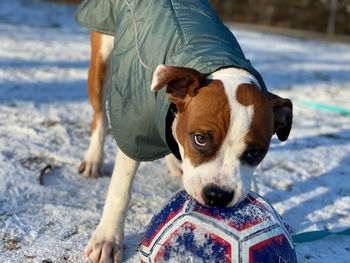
(106, 244)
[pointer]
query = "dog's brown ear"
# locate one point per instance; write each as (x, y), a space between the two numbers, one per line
(283, 115)
(181, 82)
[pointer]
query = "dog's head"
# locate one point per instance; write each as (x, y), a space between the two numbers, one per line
(223, 127)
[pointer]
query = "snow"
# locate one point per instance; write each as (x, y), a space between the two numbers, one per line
(45, 119)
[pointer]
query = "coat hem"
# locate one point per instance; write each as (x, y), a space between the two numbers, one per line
(143, 159)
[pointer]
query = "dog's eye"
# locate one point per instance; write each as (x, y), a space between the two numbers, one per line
(200, 140)
(253, 153)
(252, 156)
(203, 143)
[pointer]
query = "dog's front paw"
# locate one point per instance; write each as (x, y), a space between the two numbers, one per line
(91, 169)
(104, 249)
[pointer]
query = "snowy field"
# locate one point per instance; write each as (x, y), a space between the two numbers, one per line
(45, 120)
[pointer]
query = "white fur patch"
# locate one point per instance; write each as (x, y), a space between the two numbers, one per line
(95, 151)
(155, 79)
(107, 46)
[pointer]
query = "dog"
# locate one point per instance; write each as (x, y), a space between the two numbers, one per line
(206, 104)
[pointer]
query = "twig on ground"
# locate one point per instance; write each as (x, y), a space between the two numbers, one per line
(42, 173)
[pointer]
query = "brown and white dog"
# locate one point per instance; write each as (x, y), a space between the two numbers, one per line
(223, 129)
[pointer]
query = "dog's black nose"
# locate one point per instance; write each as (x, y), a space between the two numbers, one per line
(215, 196)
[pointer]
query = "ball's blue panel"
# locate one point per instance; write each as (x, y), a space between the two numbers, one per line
(169, 211)
(247, 213)
(275, 249)
(186, 239)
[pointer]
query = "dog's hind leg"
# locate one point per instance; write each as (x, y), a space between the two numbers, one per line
(254, 185)
(98, 83)
(174, 166)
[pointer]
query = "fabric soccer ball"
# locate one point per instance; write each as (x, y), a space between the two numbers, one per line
(186, 231)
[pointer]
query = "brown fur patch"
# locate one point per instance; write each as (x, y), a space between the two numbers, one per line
(97, 71)
(208, 112)
(262, 126)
